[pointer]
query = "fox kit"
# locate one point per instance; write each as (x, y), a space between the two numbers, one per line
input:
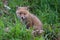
(30, 20)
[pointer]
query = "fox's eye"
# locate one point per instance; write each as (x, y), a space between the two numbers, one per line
(20, 13)
(24, 13)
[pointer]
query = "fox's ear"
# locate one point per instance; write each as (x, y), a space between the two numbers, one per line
(17, 7)
(27, 7)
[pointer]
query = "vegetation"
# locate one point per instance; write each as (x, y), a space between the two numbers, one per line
(48, 11)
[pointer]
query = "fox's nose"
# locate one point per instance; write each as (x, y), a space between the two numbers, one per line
(22, 17)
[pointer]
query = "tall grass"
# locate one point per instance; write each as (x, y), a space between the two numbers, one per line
(48, 11)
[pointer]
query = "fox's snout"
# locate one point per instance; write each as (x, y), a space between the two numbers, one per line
(22, 17)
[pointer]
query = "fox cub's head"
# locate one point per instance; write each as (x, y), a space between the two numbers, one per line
(22, 12)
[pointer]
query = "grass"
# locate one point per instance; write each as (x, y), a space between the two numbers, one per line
(47, 11)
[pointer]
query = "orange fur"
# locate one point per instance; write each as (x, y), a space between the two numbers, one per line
(30, 20)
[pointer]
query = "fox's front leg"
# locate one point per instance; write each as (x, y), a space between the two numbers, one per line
(28, 25)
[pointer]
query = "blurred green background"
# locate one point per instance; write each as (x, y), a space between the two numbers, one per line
(48, 11)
